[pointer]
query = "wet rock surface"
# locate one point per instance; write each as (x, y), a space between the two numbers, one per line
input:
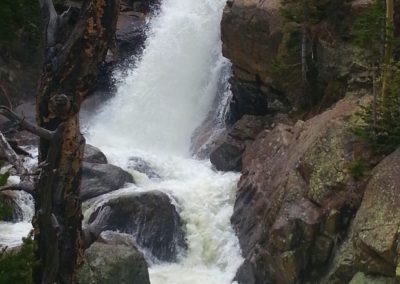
(151, 219)
(142, 166)
(98, 179)
(227, 153)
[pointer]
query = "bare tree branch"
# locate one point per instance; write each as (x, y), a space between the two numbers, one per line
(11, 156)
(50, 13)
(41, 132)
(27, 187)
(94, 229)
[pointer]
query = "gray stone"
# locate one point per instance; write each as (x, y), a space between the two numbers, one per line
(113, 263)
(98, 179)
(150, 218)
(94, 155)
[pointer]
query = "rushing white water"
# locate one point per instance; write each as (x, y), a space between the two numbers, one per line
(11, 233)
(153, 116)
(166, 96)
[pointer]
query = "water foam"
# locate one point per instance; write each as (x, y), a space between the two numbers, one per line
(157, 108)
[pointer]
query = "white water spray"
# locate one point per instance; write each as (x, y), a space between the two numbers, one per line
(167, 95)
(11, 233)
(153, 116)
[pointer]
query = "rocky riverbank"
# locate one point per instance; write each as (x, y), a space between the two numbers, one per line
(313, 202)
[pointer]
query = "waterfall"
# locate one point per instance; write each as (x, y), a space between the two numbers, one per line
(170, 91)
(11, 233)
(157, 108)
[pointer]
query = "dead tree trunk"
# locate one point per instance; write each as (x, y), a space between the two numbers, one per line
(76, 43)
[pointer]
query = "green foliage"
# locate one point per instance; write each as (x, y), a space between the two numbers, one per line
(368, 29)
(383, 133)
(3, 178)
(20, 22)
(5, 212)
(357, 169)
(380, 121)
(16, 266)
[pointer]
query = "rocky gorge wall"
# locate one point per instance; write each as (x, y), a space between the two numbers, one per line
(313, 205)
(263, 41)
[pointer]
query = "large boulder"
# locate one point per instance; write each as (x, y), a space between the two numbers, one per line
(372, 246)
(115, 262)
(150, 218)
(93, 154)
(98, 179)
(296, 196)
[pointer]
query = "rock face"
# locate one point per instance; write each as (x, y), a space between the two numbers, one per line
(227, 153)
(113, 263)
(265, 50)
(98, 179)
(151, 219)
(296, 197)
(372, 246)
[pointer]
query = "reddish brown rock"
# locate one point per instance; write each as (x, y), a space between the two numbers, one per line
(372, 246)
(226, 155)
(296, 197)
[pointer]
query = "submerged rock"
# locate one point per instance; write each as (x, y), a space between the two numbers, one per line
(107, 263)
(98, 179)
(151, 219)
(142, 166)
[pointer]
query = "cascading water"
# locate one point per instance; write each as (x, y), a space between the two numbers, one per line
(11, 233)
(154, 115)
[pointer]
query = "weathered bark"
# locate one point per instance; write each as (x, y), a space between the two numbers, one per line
(11, 156)
(73, 55)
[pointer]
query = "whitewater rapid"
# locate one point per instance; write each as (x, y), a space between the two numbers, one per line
(179, 78)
